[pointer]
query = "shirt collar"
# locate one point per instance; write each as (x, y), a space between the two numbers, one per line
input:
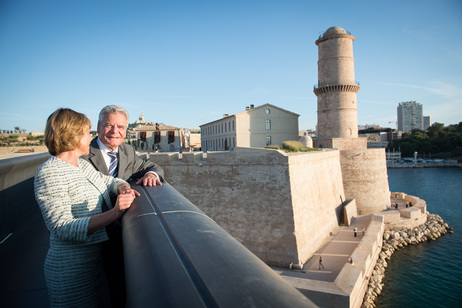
(104, 148)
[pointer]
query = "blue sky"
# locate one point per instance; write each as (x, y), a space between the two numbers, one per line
(186, 63)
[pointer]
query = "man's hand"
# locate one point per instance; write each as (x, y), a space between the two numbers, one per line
(149, 179)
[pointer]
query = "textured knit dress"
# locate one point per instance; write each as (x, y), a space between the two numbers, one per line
(68, 196)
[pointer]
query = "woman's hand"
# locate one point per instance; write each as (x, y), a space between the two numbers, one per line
(124, 200)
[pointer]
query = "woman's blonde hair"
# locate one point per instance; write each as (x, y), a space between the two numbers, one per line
(64, 130)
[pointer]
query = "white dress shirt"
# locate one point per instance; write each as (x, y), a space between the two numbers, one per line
(107, 159)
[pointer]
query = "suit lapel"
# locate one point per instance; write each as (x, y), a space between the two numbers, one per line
(96, 157)
(123, 162)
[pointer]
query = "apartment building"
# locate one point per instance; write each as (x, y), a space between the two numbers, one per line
(255, 127)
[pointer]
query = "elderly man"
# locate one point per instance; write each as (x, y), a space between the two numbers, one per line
(110, 155)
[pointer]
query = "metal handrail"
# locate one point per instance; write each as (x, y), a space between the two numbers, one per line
(176, 256)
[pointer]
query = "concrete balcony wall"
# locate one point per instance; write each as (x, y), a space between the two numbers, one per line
(17, 201)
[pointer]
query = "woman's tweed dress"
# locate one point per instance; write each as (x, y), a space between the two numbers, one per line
(68, 196)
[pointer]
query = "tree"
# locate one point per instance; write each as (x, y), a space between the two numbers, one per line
(435, 129)
(439, 141)
(17, 129)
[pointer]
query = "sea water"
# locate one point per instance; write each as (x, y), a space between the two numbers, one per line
(428, 274)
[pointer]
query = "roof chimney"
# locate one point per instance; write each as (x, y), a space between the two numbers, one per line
(246, 108)
(226, 115)
(251, 106)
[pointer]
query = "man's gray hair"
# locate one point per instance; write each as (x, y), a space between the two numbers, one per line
(112, 109)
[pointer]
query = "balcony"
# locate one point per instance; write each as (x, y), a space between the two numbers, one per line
(175, 255)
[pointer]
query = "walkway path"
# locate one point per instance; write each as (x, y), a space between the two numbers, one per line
(335, 253)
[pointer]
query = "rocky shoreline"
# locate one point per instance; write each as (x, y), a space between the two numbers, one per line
(393, 240)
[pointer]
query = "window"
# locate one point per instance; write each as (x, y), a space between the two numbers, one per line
(268, 124)
(157, 137)
(143, 136)
(171, 137)
(268, 140)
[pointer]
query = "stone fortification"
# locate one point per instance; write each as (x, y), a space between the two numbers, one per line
(405, 218)
(317, 198)
(365, 179)
(281, 206)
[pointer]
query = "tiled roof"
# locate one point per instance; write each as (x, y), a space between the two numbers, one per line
(154, 127)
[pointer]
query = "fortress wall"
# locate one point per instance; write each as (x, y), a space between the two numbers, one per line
(350, 211)
(413, 200)
(247, 192)
(280, 206)
(353, 278)
(341, 143)
(317, 197)
(365, 179)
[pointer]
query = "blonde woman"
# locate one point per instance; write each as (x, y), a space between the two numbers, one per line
(71, 195)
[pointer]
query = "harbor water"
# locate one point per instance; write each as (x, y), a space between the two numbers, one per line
(428, 274)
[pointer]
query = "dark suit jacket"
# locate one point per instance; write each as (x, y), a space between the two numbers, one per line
(131, 166)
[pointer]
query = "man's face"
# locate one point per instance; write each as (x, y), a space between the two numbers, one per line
(112, 130)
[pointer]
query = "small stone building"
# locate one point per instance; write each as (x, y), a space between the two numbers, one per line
(163, 137)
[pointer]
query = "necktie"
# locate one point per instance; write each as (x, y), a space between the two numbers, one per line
(113, 163)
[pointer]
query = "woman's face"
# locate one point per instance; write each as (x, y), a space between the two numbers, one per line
(84, 146)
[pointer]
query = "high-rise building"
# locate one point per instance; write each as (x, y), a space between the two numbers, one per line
(410, 116)
(427, 122)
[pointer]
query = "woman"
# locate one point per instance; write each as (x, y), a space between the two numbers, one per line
(71, 194)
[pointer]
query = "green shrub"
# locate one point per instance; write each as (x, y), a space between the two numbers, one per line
(296, 146)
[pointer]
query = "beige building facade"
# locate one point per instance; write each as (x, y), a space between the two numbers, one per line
(162, 137)
(255, 127)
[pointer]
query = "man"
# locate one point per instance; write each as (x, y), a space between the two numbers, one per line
(111, 156)
(320, 263)
(112, 129)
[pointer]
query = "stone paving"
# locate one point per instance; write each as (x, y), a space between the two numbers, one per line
(335, 253)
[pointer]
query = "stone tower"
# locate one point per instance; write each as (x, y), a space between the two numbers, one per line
(364, 170)
(336, 92)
